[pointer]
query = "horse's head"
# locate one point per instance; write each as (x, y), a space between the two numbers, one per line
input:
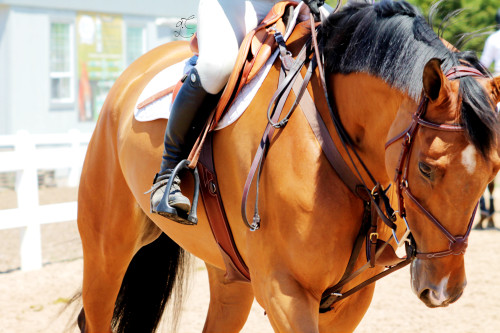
(441, 154)
(442, 169)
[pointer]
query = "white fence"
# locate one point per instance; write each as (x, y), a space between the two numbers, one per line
(26, 153)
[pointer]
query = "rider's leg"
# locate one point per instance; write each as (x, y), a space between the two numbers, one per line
(222, 25)
(187, 117)
(197, 97)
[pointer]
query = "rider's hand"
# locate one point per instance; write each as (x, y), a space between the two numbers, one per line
(314, 7)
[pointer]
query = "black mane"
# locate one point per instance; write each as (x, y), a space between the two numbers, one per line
(393, 41)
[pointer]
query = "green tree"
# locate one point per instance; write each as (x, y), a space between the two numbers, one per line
(477, 19)
(474, 24)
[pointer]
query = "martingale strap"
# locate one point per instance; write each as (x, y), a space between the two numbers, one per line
(334, 294)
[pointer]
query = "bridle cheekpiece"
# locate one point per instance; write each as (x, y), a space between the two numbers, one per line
(458, 244)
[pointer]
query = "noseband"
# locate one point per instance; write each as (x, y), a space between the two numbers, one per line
(458, 244)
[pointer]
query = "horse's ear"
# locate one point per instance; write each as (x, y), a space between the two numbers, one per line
(433, 78)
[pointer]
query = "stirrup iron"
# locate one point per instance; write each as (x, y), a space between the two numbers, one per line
(171, 212)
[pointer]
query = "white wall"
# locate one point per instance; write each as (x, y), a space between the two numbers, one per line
(29, 84)
(24, 58)
(28, 67)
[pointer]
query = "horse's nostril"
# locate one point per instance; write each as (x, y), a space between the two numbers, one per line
(424, 295)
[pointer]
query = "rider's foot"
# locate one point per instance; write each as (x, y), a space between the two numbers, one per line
(175, 199)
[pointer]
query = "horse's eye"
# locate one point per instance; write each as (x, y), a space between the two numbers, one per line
(425, 170)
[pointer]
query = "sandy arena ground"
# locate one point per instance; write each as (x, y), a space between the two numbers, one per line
(33, 301)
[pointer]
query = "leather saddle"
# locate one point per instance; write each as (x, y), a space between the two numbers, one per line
(254, 52)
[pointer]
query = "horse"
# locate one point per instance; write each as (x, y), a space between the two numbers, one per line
(382, 61)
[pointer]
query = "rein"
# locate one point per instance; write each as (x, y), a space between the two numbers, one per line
(378, 252)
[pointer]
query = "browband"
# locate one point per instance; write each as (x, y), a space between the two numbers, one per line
(457, 72)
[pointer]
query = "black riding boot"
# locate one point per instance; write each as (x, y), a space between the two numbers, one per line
(190, 111)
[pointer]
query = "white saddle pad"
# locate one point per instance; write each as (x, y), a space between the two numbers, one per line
(171, 75)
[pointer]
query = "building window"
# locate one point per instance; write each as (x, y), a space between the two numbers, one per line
(135, 45)
(61, 63)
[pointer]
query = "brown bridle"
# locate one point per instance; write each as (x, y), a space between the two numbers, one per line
(458, 244)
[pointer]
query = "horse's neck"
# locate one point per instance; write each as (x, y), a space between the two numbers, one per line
(367, 107)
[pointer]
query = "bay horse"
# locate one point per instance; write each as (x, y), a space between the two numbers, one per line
(381, 61)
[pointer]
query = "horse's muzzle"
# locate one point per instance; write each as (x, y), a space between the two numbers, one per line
(436, 288)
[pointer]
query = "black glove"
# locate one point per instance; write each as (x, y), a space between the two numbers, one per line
(314, 7)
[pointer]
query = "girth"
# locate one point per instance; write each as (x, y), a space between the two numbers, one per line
(236, 269)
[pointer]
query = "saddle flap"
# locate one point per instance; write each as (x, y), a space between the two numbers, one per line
(254, 52)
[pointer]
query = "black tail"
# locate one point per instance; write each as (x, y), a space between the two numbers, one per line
(147, 286)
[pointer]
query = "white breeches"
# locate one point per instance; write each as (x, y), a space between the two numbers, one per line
(222, 26)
